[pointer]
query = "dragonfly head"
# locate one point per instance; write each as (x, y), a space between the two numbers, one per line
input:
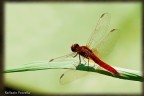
(74, 47)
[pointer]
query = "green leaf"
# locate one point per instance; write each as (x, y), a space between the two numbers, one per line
(126, 74)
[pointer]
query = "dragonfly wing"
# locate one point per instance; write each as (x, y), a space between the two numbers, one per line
(71, 55)
(105, 46)
(80, 71)
(71, 75)
(100, 30)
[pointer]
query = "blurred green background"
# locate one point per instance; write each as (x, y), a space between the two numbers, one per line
(41, 31)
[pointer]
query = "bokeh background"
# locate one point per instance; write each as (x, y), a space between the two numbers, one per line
(41, 31)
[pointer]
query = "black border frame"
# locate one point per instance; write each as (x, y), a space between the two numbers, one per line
(2, 2)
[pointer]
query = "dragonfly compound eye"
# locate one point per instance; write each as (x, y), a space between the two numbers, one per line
(74, 47)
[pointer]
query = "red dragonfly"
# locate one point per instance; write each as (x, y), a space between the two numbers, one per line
(94, 47)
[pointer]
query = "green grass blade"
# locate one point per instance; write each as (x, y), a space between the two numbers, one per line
(126, 74)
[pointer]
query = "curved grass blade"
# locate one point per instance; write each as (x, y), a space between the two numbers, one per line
(125, 74)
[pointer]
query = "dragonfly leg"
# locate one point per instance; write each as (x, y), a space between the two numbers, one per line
(75, 55)
(79, 59)
(88, 64)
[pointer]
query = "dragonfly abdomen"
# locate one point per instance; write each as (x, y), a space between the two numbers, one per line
(103, 64)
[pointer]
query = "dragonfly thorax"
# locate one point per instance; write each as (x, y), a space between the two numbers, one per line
(74, 47)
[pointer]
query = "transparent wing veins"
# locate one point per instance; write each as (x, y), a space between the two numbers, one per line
(107, 43)
(63, 57)
(100, 30)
